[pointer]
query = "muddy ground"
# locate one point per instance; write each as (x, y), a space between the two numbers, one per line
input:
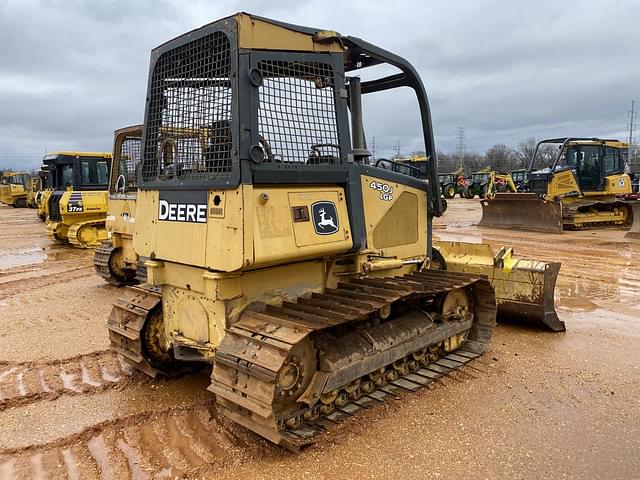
(537, 405)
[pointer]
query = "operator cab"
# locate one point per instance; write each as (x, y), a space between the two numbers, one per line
(590, 159)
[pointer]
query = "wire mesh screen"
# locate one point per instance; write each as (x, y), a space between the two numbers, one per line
(129, 162)
(297, 113)
(189, 119)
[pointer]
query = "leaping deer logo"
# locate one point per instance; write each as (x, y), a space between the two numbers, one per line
(326, 222)
(325, 218)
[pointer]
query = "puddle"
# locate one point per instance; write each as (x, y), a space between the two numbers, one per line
(27, 256)
(22, 257)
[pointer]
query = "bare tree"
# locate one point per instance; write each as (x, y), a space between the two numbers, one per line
(525, 150)
(500, 157)
(446, 162)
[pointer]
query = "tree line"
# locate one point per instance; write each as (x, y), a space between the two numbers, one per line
(499, 157)
(503, 158)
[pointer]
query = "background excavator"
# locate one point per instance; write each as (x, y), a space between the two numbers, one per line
(276, 251)
(77, 206)
(577, 188)
(115, 260)
(499, 183)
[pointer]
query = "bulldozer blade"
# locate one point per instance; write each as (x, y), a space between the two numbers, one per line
(635, 226)
(524, 288)
(524, 211)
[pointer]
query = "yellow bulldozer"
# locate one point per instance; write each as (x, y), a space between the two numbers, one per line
(14, 188)
(277, 253)
(576, 188)
(115, 260)
(42, 195)
(77, 204)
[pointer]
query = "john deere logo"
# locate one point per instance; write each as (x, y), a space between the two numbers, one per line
(325, 218)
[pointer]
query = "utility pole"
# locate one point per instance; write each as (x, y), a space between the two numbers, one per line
(398, 148)
(373, 148)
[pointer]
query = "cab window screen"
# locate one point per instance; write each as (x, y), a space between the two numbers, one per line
(129, 164)
(188, 124)
(297, 113)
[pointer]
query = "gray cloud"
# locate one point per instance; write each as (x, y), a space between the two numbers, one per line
(73, 71)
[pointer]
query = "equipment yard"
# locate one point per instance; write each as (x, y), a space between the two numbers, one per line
(536, 405)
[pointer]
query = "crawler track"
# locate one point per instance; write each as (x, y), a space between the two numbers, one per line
(74, 233)
(361, 362)
(25, 383)
(572, 212)
(102, 263)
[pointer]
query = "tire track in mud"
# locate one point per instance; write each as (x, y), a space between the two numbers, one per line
(24, 383)
(173, 443)
(38, 280)
(176, 442)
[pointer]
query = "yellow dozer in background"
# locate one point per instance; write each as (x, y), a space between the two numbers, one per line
(14, 187)
(277, 253)
(42, 195)
(574, 189)
(77, 207)
(115, 259)
(35, 186)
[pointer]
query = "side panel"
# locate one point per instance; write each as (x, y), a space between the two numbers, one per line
(618, 184)
(296, 223)
(226, 248)
(562, 183)
(396, 218)
(196, 227)
(78, 206)
(163, 232)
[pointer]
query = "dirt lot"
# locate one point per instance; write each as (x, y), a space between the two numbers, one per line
(537, 405)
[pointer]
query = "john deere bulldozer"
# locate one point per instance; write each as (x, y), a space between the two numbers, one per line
(276, 251)
(77, 206)
(574, 189)
(14, 187)
(115, 259)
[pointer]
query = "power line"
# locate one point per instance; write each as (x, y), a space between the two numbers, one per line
(461, 148)
(631, 126)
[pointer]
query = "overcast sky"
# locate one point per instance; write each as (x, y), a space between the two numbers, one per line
(72, 71)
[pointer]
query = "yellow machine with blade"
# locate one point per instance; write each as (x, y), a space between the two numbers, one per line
(573, 189)
(277, 252)
(115, 259)
(14, 188)
(77, 206)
